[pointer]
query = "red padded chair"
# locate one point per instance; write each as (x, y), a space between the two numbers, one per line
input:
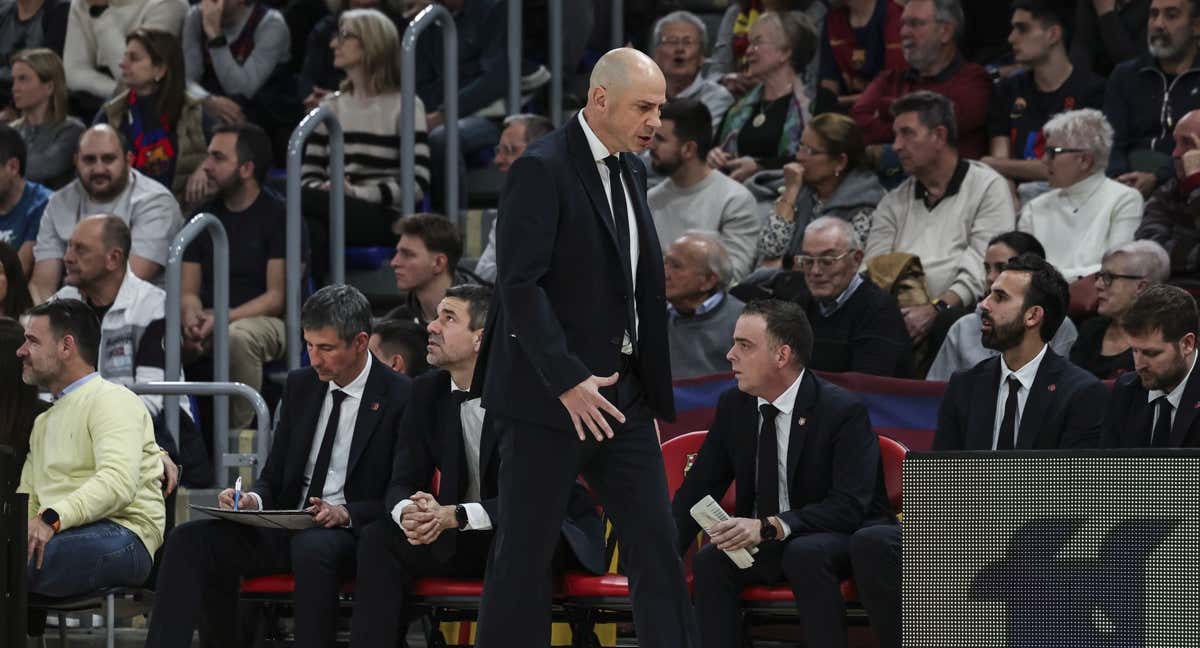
(272, 596)
(591, 599)
(773, 601)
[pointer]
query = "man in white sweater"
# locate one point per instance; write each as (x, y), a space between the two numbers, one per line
(945, 212)
(694, 197)
(96, 32)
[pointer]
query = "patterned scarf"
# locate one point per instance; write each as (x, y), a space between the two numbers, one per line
(153, 151)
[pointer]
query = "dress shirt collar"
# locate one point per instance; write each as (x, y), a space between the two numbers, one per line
(76, 385)
(454, 387)
(828, 309)
(1176, 394)
(356, 386)
(1025, 375)
(1077, 194)
(599, 150)
(787, 400)
(708, 306)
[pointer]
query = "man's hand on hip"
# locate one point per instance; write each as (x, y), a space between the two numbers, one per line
(587, 407)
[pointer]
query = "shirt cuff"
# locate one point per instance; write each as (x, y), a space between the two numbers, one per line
(477, 517)
(398, 509)
(787, 530)
(257, 499)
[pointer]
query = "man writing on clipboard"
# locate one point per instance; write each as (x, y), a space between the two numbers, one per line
(331, 454)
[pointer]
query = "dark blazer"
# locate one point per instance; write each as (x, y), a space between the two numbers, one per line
(1065, 408)
(1131, 417)
(431, 440)
(560, 309)
(281, 484)
(835, 473)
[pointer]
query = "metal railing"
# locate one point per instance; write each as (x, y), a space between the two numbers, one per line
(554, 12)
(222, 460)
(433, 14)
(295, 217)
(174, 334)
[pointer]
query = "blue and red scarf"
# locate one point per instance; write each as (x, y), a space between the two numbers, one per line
(153, 149)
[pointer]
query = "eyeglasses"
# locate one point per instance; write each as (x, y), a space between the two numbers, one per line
(1056, 151)
(342, 35)
(675, 42)
(826, 262)
(1105, 277)
(808, 150)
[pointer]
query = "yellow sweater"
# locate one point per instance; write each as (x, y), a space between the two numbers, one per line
(92, 456)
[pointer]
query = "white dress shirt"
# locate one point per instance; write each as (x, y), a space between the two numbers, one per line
(783, 434)
(599, 153)
(471, 417)
(1025, 375)
(1173, 397)
(339, 459)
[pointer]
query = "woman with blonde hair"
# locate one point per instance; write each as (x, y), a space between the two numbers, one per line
(164, 126)
(51, 135)
(366, 47)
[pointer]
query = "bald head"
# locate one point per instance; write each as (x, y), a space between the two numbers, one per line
(626, 93)
(103, 135)
(1187, 145)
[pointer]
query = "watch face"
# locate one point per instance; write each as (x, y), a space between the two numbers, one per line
(49, 516)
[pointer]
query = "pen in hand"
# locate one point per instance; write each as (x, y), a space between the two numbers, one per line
(237, 493)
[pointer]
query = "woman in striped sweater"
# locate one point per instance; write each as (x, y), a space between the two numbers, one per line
(366, 47)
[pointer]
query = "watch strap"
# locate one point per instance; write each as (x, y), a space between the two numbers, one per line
(219, 41)
(460, 514)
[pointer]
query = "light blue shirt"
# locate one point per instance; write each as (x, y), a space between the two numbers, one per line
(76, 385)
(708, 306)
(830, 309)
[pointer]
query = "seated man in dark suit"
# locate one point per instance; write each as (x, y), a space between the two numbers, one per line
(445, 429)
(1158, 404)
(819, 479)
(331, 455)
(856, 325)
(1027, 398)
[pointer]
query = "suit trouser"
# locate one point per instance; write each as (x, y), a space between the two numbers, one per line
(202, 567)
(814, 564)
(390, 565)
(875, 555)
(537, 467)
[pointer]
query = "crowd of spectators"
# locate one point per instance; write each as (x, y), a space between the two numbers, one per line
(877, 163)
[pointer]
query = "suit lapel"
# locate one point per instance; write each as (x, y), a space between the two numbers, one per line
(802, 412)
(1189, 407)
(1041, 394)
(369, 410)
(306, 428)
(585, 167)
(746, 450)
(982, 421)
(453, 463)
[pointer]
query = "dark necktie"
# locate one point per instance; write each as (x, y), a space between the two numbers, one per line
(316, 486)
(460, 396)
(1008, 424)
(621, 221)
(768, 463)
(1161, 437)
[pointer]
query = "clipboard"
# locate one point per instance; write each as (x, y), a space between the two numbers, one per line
(289, 520)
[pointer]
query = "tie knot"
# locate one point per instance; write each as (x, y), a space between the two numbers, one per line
(769, 411)
(1013, 383)
(460, 396)
(1162, 400)
(613, 162)
(338, 396)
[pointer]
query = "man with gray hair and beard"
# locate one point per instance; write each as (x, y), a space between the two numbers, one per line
(1148, 95)
(701, 312)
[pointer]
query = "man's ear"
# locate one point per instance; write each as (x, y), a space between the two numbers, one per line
(397, 364)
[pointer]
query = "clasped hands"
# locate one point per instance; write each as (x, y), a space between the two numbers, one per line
(423, 520)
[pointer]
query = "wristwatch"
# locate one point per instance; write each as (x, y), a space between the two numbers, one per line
(460, 516)
(50, 518)
(940, 305)
(768, 530)
(219, 41)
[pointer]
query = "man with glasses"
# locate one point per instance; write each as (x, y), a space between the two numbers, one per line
(1147, 95)
(1158, 405)
(856, 325)
(929, 31)
(680, 43)
(1126, 271)
(1023, 102)
(701, 313)
(1170, 218)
